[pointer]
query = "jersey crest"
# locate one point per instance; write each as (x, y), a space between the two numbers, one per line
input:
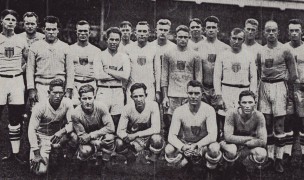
(236, 67)
(196, 130)
(113, 68)
(141, 60)
(211, 58)
(268, 63)
(181, 65)
(83, 60)
(9, 52)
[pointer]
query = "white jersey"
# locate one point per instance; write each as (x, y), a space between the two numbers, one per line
(298, 54)
(195, 45)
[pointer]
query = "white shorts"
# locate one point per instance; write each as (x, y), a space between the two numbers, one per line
(77, 85)
(42, 92)
(230, 96)
(113, 97)
(273, 98)
(12, 90)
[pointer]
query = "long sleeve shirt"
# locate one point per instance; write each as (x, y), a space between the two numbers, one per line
(83, 59)
(178, 68)
(99, 120)
(11, 54)
(199, 128)
(47, 62)
(47, 121)
(143, 123)
(235, 69)
(237, 130)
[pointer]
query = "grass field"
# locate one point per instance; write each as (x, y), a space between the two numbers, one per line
(159, 170)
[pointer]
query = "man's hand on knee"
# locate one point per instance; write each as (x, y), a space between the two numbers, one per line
(35, 163)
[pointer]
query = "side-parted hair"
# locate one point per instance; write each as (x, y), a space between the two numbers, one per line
(85, 89)
(138, 86)
(9, 11)
(212, 19)
(236, 31)
(295, 21)
(252, 22)
(197, 20)
(182, 28)
(52, 20)
(125, 23)
(113, 30)
(195, 83)
(31, 14)
(246, 93)
(56, 82)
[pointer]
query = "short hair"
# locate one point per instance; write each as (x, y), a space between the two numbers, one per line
(56, 82)
(6, 12)
(271, 21)
(236, 31)
(195, 83)
(182, 28)
(252, 22)
(125, 23)
(31, 14)
(82, 22)
(143, 23)
(52, 20)
(247, 93)
(164, 22)
(295, 21)
(212, 19)
(85, 89)
(138, 86)
(197, 20)
(113, 30)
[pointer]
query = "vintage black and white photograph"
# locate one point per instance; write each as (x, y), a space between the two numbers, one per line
(152, 89)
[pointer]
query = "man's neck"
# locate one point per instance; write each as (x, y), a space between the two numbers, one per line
(162, 42)
(296, 43)
(211, 39)
(51, 42)
(55, 106)
(142, 44)
(8, 33)
(249, 42)
(194, 108)
(244, 116)
(182, 48)
(30, 35)
(196, 39)
(272, 44)
(112, 52)
(140, 108)
(236, 50)
(88, 111)
(82, 43)
(125, 41)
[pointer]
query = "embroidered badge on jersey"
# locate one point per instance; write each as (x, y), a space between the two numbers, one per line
(141, 60)
(113, 68)
(84, 60)
(9, 52)
(211, 58)
(196, 130)
(181, 65)
(268, 63)
(236, 67)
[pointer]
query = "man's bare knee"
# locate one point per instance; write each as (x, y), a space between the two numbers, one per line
(230, 151)
(214, 150)
(156, 141)
(259, 154)
(170, 150)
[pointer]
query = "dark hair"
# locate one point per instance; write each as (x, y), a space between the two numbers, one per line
(252, 22)
(125, 23)
(236, 31)
(52, 20)
(82, 22)
(197, 20)
(85, 89)
(113, 30)
(212, 19)
(56, 82)
(164, 22)
(295, 21)
(31, 14)
(195, 83)
(9, 11)
(138, 86)
(182, 28)
(246, 93)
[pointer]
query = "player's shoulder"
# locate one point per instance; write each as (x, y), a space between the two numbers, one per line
(67, 102)
(152, 104)
(40, 35)
(207, 108)
(63, 44)
(181, 109)
(259, 115)
(76, 112)
(101, 106)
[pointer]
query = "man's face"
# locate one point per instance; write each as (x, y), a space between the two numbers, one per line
(56, 95)
(247, 104)
(236, 41)
(271, 31)
(30, 24)
(139, 96)
(250, 31)
(51, 31)
(295, 32)
(9, 22)
(162, 31)
(194, 95)
(142, 33)
(113, 41)
(87, 100)
(83, 32)
(126, 32)
(195, 29)
(211, 29)
(182, 38)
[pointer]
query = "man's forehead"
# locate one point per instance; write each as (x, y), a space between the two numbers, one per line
(240, 34)
(113, 35)
(84, 26)
(208, 23)
(9, 16)
(248, 25)
(294, 26)
(142, 27)
(162, 26)
(52, 25)
(181, 32)
(192, 88)
(30, 19)
(193, 23)
(57, 88)
(125, 27)
(271, 25)
(247, 98)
